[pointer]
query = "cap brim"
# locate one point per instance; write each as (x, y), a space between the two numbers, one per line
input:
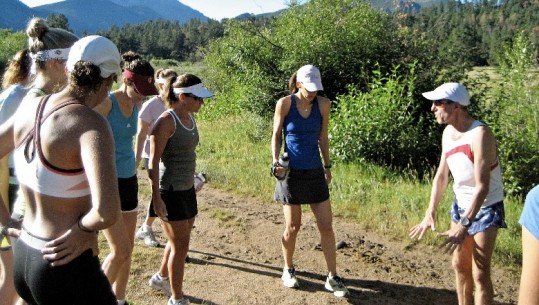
(312, 87)
(433, 96)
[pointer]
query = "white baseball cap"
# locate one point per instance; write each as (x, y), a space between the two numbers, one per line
(98, 50)
(309, 76)
(449, 91)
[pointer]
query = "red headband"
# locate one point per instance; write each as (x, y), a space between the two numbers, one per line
(143, 84)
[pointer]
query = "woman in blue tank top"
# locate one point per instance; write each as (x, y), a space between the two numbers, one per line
(303, 118)
(121, 110)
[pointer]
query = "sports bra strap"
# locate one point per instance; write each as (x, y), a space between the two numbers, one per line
(34, 137)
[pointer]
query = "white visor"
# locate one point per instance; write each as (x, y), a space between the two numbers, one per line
(50, 54)
(161, 81)
(197, 90)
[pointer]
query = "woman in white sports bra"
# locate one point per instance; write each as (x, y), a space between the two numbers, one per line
(64, 154)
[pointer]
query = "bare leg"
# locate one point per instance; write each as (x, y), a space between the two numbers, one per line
(7, 287)
(120, 249)
(324, 221)
(120, 283)
(484, 243)
(178, 234)
(292, 216)
(462, 264)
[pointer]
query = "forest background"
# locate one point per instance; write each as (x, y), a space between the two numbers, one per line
(385, 143)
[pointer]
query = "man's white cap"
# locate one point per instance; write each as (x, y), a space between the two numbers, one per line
(309, 76)
(98, 50)
(449, 91)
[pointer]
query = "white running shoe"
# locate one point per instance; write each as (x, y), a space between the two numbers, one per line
(147, 236)
(157, 283)
(182, 301)
(289, 278)
(336, 285)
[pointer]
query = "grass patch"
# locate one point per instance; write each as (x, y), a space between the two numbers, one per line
(235, 153)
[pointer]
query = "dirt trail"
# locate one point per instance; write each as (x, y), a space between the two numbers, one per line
(235, 258)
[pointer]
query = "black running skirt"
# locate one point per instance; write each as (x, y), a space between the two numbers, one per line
(302, 187)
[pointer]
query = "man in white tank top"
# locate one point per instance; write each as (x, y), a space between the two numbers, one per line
(469, 153)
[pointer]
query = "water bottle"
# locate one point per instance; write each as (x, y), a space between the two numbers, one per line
(283, 162)
(200, 179)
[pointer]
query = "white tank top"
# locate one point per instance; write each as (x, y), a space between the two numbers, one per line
(460, 159)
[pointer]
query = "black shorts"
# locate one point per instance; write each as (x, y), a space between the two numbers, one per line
(128, 188)
(302, 187)
(181, 205)
(80, 282)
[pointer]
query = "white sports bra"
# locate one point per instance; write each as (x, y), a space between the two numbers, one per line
(37, 173)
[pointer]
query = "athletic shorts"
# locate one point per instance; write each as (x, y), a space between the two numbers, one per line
(80, 282)
(491, 216)
(181, 205)
(530, 213)
(128, 188)
(302, 187)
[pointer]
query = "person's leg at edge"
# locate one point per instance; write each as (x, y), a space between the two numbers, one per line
(178, 234)
(120, 284)
(324, 221)
(462, 265)
(484, 243)
(529, 290)
(7, 287)
(292, 217)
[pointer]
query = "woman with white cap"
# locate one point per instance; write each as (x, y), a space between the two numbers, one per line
(303, 118)
(63, 153)
(470, 154)
(173, 141)
(121, 109)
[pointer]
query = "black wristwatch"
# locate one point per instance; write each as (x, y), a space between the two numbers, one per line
(465, 221)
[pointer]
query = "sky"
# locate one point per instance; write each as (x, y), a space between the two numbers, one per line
(215, 9)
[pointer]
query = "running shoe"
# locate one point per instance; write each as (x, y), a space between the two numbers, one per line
(182, 301)
(336, 285)
(158, 283)
(289, 278)
(148, 237)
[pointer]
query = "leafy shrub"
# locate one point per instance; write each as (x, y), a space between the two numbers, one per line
(11, 43)
(515, 116)
(385, 125)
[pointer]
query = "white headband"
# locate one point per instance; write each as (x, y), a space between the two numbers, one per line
(161, 81)
(50, 54)
(197, 90)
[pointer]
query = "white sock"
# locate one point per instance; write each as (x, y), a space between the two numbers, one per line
(163, 278)
(121, 302)
(176, 300)
(146, 228)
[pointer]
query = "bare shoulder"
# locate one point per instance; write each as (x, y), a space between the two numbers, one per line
(322, 100)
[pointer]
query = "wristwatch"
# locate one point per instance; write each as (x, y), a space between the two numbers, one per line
(465, 221)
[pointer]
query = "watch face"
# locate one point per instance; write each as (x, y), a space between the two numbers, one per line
(464, 221)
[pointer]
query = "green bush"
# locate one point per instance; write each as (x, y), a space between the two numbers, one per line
(514, 116)
(11, 43)
(385, 125)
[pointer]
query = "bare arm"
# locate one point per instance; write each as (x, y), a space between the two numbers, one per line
(323, 141)
(142, 132)
(97, 154)
(6, 138)
(281, 110)
(439, 185)
(162, 130)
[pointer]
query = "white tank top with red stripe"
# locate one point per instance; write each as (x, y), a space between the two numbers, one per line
(460, 159)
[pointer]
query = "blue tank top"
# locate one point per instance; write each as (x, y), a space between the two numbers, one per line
(302, 135)
(124, 130)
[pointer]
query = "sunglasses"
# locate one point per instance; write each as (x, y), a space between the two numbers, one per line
(200, 99)
(442, 102)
